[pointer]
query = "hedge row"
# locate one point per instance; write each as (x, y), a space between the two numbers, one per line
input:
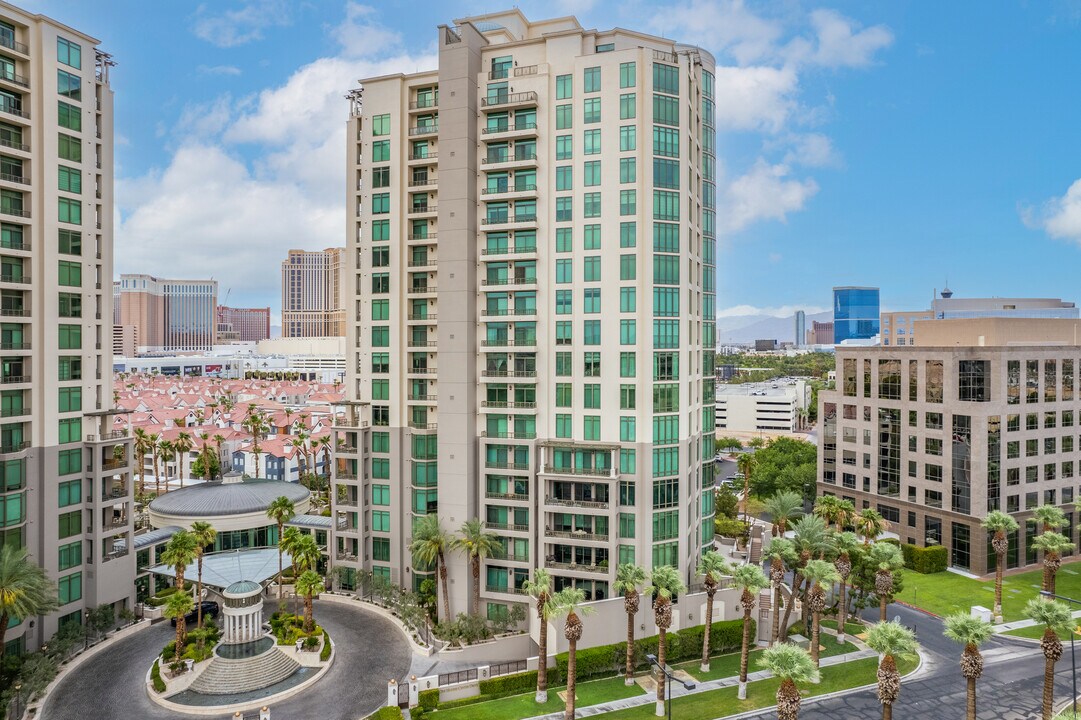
(155, 678)
(324, 654)
(429, 699)
(925, 560)
(683, 645)
(390, 712)
(516, 683)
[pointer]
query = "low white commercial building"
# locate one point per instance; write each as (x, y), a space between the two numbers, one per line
(775, 406)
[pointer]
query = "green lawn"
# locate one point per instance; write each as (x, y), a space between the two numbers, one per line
(761, 694)
(516, 707)
(850, 627)
(945, 592)
(724, 666)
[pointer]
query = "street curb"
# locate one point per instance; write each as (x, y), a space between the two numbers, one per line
(928, 613)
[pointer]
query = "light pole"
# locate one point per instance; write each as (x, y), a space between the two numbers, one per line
(86, 630)
(1073, 633)
(672, 678)
(18, 700)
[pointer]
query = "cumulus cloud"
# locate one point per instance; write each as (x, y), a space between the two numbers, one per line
(1059, 217)
(765, 192)
(839, 41)
(218, 70)
(240, 26)
(754, 98)
(811, 150)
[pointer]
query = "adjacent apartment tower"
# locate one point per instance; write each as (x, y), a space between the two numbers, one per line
(243, 324)
(169, 315)
(67, 490)
(313, 293)
(531, 338)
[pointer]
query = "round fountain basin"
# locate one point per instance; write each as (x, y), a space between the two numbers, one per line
(240, 651)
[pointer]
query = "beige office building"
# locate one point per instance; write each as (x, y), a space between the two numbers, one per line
(169, 315)
(531, 339)
(984, 414)
(67, 492)
(314, 293)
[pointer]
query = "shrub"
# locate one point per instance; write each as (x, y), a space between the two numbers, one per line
(428, 699)
(155, 678)
(592, 662)
(730, 527)
(386, 713)
(925, 560)
(516, 683)
(310, 642)
(169, 651)
(324, 654)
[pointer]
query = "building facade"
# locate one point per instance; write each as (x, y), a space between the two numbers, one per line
(983, 415)
(313, 293)
(244, 324)
(898, 328)
(855, 313)
(765, 407)
(169, 315)
(490, 195)
(821, 333)
(800, 321)
(67, 492)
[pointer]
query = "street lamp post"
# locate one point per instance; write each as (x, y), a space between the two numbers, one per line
(672, 678)
(18, 700)
(1073, 634)
(86, 630)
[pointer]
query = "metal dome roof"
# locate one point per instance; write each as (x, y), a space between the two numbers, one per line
(243, 587)
(216, 499)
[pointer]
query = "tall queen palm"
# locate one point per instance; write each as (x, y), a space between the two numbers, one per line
(667, 584)
(890, 640)
(25, 589)
(1000, 525)
(791, 665)
(281, 511)
(712, 568)
(811, 538)
(569, 602)
(781, 554)
(870, 524)
(746, 464)
(540, 589)
(1052, 545)
(750, 580)
(971, 632)
(477, 544)
(180, 552)
(629, 578)
(205, 535)
(844, 544)
(430, 545)
(1055, 617)
(887, 560)
(782, 507)
(819, 573)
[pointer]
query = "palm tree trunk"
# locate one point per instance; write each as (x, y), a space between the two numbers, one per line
(743, 653)
(1048, 689)
(970, 704)
(443, 582)
(796, 582)
(776, 619)
(199, 592)
(179, 636)
(816, 634)
(746, 495)
(572, 669)
(708, 628)
(842, 613)
(309, 619)
(4, 619)
(882, 609)
(662, 650)
(280, 593)
(887, 711)
(629, 677)
(476, 584)
(542, 656)
(999, 562)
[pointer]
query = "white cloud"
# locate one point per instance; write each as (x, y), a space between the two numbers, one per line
(240, 26)
(811, 150)
(723, 27)
(840, 43)
(218, 70)
(1059, 217)
(765, 192)
(754, 98)
(781, 311)
(359, 36)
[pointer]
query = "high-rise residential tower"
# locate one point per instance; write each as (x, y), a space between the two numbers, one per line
(169, 315)
(532, 333)
(313, 293)
(244, 324)
(67, 487)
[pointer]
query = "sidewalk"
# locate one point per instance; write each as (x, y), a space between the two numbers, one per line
(1018, 624)
(650, 698)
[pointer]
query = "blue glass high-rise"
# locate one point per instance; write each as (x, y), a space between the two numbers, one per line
(855, 313)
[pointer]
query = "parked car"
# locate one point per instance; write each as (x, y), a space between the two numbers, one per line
(210, 609)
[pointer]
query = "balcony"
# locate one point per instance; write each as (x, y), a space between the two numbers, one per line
(423, 104)
(575, 567)
(427, 209)
(14, 379)
(15, 279)
(510, 191)
(508, 312)
(509, 132)
(508, 405)
(422, 343)
(497, 465)
(423, 288)
(665, 56)
(422, 182)
(589, 472)
(414, 397)
(508, 100)
(430, 157)
(576, 535)
(509, 435)
(14, 312)
(428, 317)
(498, 282)
(429, 262)
(424, 129)
(507, 590)
(505, 496)
(587, 504)
(14, 447)
(14, 211)
(422, 239)
(510, 373)
(10, 109)
(15, 346)
(505, 526)
(20, 179)
(345, 556)
(424, 426)
(11, 44)
(510, 342)
(15, 412)
(511, 160)
(107, 436)
(526, 250)
(15, 79)
(347, 502)
(14, 145)
(423, 371)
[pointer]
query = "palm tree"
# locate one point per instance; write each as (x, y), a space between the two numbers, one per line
(167, 451)
(309, 584)
(750, 579)
(790, 664)
(890, 640)
(712, 567)
(183, 446)
(746, 464)
(179, 553)
(204, 534)
(25, 590)
(781, 553)
(326, 445)
(887, 559)
(971, 632)
(1048, 517)
(843, 544)
(818, 573)
(1056, 618)
(1052, 545)
(630, 577)
(834, 511)
(430, 545)
(255, 423)
(290, 543)
(569, 602)
(667, 584)
(219, 440)
(782, 507)
(302, 446)
(811, 538)
(477, 544)
(142, 447)
(540, 589)
(870, 524)
(1001, 524)
(281, 511)
(155, 451)
(178, 605)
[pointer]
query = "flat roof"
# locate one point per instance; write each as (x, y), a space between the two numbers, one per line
(319, 522)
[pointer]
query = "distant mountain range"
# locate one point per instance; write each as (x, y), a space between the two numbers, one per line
(740, 329)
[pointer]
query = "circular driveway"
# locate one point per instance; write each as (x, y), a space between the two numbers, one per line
(369, 651)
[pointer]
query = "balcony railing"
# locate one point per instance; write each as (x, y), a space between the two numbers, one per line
(509, 250)
(424, 426)
(415, 209)
(424, 129)
(422, 182)
(422, 343)
(501, 190)
(15, 78)
(509, 405)
(594, 472)
(12, 110)
(429, 316)
(13, 379)
(15, 412)
(505, 496)
(592, 504)
(508, 590)
(15, 346)
(429, 236)
(509, 99)
(510, 281)
(511, 373)
(17, 212)
(601, 569)
(509, 435)
(17, 279)
(502, 128)
(14, 45)
(15, 447)
(497, 465)
(14, 145)
(665, 56)
(423, 398)
(504, 312)
(576, 535)
(428, 156)
(14, 312)
(525, 70)
(421, 104)
(21, 179)
(508, 157)
(106, 436)
(505, 526)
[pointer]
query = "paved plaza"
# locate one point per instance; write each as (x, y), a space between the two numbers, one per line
(370, 650)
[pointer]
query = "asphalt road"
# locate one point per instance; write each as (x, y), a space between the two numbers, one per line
(1010, 689)
(369, 651)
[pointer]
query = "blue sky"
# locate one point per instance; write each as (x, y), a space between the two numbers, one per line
(886, 143)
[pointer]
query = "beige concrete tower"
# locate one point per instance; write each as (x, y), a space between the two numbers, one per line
(313, 293)
(530, 337)
(67, 492)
